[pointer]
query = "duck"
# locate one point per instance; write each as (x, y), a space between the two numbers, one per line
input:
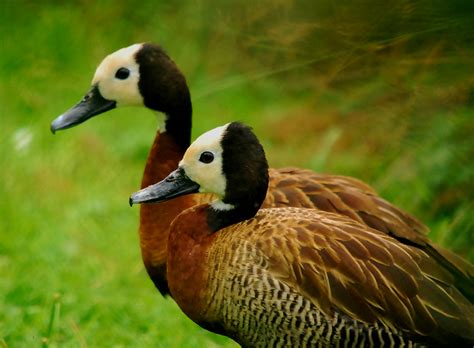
(144, 75)
(295, 277)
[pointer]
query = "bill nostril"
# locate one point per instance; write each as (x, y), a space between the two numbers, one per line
(170, 178)
(86, 97)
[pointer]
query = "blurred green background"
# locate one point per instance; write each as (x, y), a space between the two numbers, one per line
(383, 91)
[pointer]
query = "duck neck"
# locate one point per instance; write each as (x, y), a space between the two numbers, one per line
(188, 268)
(222, 215)
(191, 238)
(169, 145)
(177, 107)
(178, 124)
(167, 150)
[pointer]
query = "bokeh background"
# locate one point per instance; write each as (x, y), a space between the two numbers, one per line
(379, 90)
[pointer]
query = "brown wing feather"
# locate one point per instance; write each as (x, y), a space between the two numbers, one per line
(341, 264)
(343, 195)
(293, 187)
(349, 197)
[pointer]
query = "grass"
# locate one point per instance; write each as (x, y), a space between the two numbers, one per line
(386, 98)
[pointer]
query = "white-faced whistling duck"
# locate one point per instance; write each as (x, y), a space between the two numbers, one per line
(144, 75)
(293, 277)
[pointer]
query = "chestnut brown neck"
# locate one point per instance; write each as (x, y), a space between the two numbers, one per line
(189, 243)
(155, 219)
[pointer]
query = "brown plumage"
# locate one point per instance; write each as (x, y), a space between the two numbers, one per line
(325, 279)
(298, 277)
(162, 87)
(294, 187)
(288, 187)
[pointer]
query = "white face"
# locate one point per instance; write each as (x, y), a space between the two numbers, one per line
(122, 91)
(209, 176)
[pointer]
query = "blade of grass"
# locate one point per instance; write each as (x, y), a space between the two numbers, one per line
(55, 313)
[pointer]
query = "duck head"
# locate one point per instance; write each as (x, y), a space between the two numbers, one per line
(227, 161)
(138, 75)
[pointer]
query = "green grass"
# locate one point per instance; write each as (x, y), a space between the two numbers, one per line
(386, 98)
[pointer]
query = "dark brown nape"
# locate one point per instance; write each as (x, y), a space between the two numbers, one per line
(164, 89)
(246, 191)
(242, 149)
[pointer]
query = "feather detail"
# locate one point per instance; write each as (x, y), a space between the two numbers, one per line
(300, 277)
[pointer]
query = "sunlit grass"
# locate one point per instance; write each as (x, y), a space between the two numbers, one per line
(323, 98)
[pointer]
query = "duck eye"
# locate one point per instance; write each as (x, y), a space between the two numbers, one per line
(122, 73)
(206, 157)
